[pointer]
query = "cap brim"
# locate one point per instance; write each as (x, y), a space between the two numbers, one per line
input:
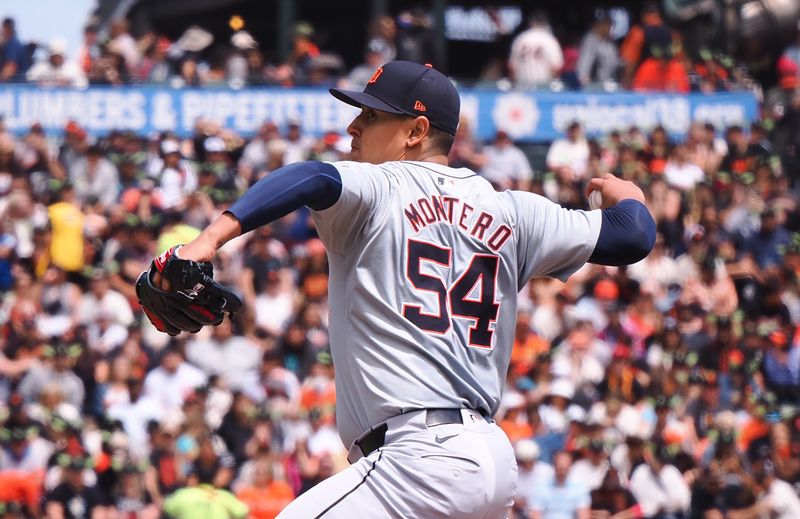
(359, 99)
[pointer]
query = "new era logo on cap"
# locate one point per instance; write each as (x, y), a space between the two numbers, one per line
(376, 75)
(409, 88)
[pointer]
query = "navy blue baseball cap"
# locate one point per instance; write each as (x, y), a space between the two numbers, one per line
(405, 87)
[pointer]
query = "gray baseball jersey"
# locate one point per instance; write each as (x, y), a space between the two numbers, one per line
(425, 265)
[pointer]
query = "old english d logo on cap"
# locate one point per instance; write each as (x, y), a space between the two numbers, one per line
(376, 75)
(405, 87)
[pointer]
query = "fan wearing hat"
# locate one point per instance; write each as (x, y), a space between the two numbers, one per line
(426, 261)
(218, 162)
(533, 473)
(57, 70)
(178, 179)
(515, 421)
(72, 499)
(236, 65)
(559, 411)
(304, 50)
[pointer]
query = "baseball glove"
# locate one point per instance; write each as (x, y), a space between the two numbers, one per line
(193, 299)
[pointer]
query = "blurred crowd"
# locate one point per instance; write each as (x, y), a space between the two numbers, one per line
(668, 389)
(650, 55)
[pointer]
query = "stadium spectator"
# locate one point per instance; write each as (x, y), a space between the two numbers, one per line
(87, 50)
(14, 61)
(258, 71)
(255, 153)
(598, 58)
(267, 495)
(562, 497)
(298, 145)
(592, 468)
(57, 70)
(414, 36)
(741, 157)
(136, 414)
(131, 497)
(177, 180)
(109, 68)
(659, 487)
(189, 72)
(95, 176)
(651, 35)
(714, 294)
(777, 498)
(680, 172)
(662, 71)
(533, 475)
(506, 165)
(72, 498)
(708, 74)
(515, 421)
(613, 498)
(569, 157)
(702, 148)
(236, 66)
(217, 165)
(767, 245)
(536, 56)
(382, 32)
(173, 380)
(122, 43)
(102, 298)
(235, 359)
(303, 52)
(211, 461)
(56, 372)
(155, 66)
(23, 462)
(204, 499)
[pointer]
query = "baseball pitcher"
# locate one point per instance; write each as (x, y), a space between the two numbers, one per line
(425, 265)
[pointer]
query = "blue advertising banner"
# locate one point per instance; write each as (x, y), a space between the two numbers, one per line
(526, 116)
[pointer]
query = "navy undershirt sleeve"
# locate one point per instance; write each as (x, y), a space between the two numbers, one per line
(317, 185)
(627, 234)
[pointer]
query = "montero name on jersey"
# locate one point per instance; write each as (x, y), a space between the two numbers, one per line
(450, 209)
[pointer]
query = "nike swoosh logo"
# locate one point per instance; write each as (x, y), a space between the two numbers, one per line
(442, 439)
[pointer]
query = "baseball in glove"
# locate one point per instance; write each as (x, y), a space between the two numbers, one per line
(193, 299)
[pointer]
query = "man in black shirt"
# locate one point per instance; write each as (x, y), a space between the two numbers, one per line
(72, 499)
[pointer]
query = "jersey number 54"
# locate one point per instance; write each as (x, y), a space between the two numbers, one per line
(481, 310)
